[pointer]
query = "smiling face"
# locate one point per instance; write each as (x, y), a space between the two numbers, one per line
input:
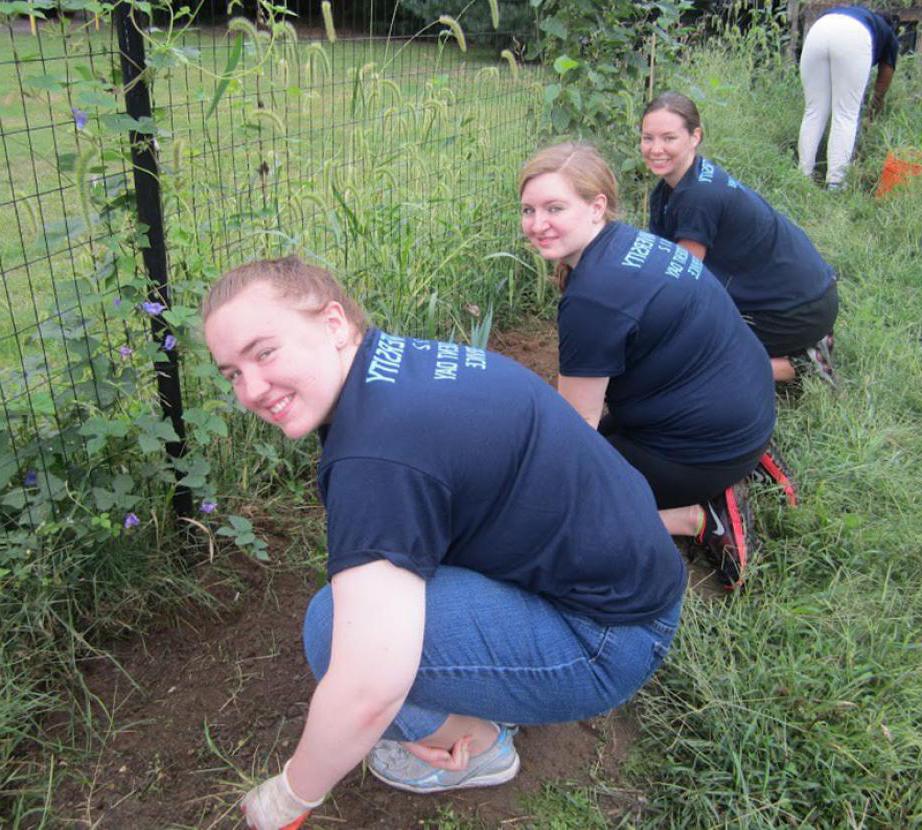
(288, 366)
(557, 220)
(667, 146)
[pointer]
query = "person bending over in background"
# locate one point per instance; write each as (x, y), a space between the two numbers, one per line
(782, 286)
(645, 328)
(835, 64)
(491, 559)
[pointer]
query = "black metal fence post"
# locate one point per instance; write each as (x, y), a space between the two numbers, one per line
(128, 21)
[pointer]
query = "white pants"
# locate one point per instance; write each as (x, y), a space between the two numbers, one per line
(834, 69)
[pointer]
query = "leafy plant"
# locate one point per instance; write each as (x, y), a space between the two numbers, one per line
(241, 530)
(606, 55)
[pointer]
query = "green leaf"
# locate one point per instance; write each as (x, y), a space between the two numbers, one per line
(51, 486)
(564, 64)
(154, 433)
(551, 92)
(560, 119)
(8, 465)
(67, 162)
(180, 315)
(148, 444)
(554, 27)
(240, 524)
(233, 58)
(44, 83)
(193, 481)
(123, 484)
(575, 97)
(43, 404)
(217, 425)
(15, 499)
(121, 123)
(77, 5)
(94, 98)
(22, 7)
(105, 499)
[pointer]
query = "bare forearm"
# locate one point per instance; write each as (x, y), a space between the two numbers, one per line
(881, 85)
(341, 728)
(585, 395)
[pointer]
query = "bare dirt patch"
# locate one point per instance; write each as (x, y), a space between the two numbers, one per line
(205, 698)
(209, 697)
(533, 344)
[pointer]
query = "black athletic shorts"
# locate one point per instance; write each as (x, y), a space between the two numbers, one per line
(675, 484)
(787, 332)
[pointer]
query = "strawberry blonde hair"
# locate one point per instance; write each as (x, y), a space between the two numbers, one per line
(307, 287)
(589, 174)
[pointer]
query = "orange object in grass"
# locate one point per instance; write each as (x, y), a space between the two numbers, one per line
(898, 171)
(297, 822)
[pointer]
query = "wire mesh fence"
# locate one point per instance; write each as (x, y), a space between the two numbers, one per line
(365, 140)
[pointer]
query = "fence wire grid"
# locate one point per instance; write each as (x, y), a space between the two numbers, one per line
(388, 155)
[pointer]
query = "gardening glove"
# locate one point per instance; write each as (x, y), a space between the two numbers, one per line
(274, 806)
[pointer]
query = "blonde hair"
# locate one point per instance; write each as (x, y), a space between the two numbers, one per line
(307, 287)
(589, 174)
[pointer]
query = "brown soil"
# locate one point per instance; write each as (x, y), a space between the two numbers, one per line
(533, 344)
(184, 714)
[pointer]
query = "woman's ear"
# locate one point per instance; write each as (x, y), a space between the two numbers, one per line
(697, 135)
(337, 323)
(599, 205)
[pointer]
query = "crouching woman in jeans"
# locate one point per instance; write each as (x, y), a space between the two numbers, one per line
(492, 559)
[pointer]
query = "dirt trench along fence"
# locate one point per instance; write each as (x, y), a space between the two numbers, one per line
(145, 148)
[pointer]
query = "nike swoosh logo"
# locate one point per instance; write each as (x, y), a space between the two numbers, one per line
(721, 530)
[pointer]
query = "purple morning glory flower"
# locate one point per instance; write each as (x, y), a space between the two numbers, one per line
(30, 479)
(131, 520)
(125, 351)
(208, 506)
(80, 117)
(169, 343)
(117, 302)
(153, 308)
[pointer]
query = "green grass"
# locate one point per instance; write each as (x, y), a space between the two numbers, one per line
(798, 702)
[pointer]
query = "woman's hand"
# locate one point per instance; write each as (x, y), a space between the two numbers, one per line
(454, 760)
(274, 806)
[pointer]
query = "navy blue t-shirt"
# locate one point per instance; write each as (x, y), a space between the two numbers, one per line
(445, 454)
(689, 379)
(885, 46)
(765, 260)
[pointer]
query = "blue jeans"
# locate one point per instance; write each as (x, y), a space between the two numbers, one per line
(494, 651)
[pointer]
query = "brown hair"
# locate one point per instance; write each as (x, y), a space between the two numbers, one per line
(307, 287)
(677, 104)
(585, 169)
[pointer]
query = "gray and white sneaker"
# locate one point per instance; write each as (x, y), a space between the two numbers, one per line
(816, 359)
(393, 764)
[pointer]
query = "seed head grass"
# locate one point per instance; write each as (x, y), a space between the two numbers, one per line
(455, 29)
(326, 10)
